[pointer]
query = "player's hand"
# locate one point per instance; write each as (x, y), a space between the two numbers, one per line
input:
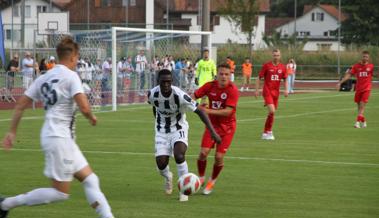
(286, 93)
(216, 138)
(8, 140)
(93, 120)
(256, 94)
(338, 86)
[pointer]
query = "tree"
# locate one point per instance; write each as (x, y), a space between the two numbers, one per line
(362, 25)
(242, 13)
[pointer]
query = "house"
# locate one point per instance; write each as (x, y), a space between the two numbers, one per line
(318, 26)
(32, 8)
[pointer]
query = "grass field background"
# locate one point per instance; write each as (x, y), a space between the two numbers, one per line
(318, 166)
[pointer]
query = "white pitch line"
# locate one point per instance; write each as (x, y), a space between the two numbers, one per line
(227, 157)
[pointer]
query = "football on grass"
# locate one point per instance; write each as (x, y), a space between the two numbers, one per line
(189, 184)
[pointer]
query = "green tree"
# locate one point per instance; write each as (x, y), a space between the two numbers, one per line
(243, 13)
(362, 25)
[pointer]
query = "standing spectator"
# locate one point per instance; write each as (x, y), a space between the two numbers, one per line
(363, 71)
(12, 69)
(176, 73)
(141, 63)
(27, 68)
(42, 66)
(107, 71)
(120, 76)
(247, 69)
(51, 63)
(291, 72)
(272, 72)
(232, 65)
(98, 80)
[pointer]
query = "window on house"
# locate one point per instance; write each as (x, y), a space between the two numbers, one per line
(132, 2)
(324, 46)
(216, 20)
(318, 16)
(16, 11)
(313, 17)
(41, 8)
(304, 33)
(28, 11)
(8, 34)
(326, 33)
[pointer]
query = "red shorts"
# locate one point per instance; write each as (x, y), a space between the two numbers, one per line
(362, 96)
(226, 140)
(271, 99)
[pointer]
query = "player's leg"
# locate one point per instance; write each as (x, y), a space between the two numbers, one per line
(271, 104)
(94, 195)
(162, 155)
(207, 144)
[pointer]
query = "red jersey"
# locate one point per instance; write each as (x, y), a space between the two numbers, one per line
(220, 98)
(364, 74)
(272, 75)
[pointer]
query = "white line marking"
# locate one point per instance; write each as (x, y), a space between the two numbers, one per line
(227, 157)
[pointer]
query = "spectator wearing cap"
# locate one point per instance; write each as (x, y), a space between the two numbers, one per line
(27, 66)
(51, 63)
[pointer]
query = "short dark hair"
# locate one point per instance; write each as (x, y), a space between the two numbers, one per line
(164, 72)
(205, 50)
(224, 65)
(366, 52)
(275, 50)
(66, 47)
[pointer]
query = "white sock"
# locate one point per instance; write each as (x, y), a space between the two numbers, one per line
(182, 168)
(35, 197)
(95, 197)
(165, 172)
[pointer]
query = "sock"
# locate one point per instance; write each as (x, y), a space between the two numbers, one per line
(95, 197)
(201, 166)
(269, 122)
(165, 172)
(360, 118)
(35, 197)
(182, 168)
(216, 171)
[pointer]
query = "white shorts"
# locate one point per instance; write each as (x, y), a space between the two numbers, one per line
(26, 82)
(164, 142)
(63, 158)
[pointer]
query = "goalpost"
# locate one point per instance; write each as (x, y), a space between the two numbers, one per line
(127, 42)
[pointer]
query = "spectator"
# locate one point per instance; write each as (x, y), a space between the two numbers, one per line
(27, 70)
(12, 69)
(247, 69)
(51, 63)
(43, 66)
(291, 72)
(141, 63)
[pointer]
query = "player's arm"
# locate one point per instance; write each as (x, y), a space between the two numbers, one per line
(84, 107)
(204, 118)
(344, 79)
(221, 112)
(20, 107)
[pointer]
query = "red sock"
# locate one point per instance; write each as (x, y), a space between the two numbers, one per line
(201, 166)
(216, 171)
(360, 118)
(269, 122)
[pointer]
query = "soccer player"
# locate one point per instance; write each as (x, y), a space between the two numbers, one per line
(171, 128)
(363, 71)
(61, 90)
(272, 72)
(223, 97)
(206, 69)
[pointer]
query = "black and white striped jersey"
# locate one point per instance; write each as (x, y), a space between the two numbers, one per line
(170, 112)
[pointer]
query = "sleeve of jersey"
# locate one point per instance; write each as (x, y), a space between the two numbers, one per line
(232, 99)
(214, 69)
(149, 97)
(76, 86)
(33, 91)
(202, 91)
(263, 71)
(188, 103)
(353, 70)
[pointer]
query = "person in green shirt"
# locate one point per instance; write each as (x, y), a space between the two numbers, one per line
(206, 69)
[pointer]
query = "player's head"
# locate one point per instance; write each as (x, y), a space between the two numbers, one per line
(68, 52)
(223, 74)
(165, 81)
(247, 60)
(205, 53)
(365, 56)
(276, 55)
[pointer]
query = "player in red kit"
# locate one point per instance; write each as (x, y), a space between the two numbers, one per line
(223, 98)
(363, 71)
(272, 72)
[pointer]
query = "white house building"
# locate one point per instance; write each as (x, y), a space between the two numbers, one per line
(318, 24)
(13, 21)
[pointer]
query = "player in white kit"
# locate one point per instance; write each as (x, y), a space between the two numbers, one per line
(61, 91)
(171, 128)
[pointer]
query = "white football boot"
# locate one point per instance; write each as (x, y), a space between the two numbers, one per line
(357, 125)
(364, 124)
(182, 197)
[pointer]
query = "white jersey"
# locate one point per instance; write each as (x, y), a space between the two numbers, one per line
(141, 63)
(170, 112)
(56, 90)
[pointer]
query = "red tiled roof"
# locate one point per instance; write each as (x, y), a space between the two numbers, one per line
(330, 9)
(273, 22)
(61, 3)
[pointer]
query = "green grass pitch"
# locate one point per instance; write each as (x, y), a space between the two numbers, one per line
(318, 166)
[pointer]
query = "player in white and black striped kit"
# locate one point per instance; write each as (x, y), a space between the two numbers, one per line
(171, 127)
